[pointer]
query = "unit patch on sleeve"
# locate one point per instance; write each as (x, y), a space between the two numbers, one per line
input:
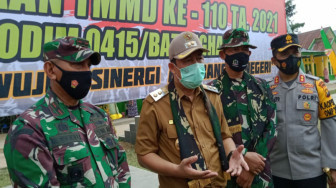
(327, 106)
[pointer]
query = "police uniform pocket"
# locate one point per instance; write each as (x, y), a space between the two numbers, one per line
(307, 112)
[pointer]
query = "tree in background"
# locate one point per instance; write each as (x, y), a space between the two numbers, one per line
(290, 12)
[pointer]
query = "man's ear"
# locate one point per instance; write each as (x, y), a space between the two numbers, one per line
(222, 54)
(250, 53)
(274, 61)
(171, 67)
(48, 69)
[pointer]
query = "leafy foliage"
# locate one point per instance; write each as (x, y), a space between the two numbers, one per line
(290, 12)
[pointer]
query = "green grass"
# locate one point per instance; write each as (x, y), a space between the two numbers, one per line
(4, 177)
(131, 155)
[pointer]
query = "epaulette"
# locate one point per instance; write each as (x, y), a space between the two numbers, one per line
(312, 77)
(211, 88)
(159, 93)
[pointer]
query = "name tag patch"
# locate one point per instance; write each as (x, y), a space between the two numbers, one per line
(308, 97)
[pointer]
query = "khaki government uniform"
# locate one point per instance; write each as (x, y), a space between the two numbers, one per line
(157, 132)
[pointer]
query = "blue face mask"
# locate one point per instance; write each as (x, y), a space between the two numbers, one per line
(192, 75)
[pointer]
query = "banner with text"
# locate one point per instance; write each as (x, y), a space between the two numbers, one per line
(133, 38)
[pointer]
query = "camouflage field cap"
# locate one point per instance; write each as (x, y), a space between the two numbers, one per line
(184, 44)
(71, 49)
(283, 42)
(236, 37)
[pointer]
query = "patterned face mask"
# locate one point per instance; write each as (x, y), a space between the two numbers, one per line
(290, 65)
(192, 75)
(237, 62)
(76, 83)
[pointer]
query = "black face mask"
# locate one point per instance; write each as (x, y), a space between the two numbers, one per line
(76, 83)
(290, 65)
(237, 62)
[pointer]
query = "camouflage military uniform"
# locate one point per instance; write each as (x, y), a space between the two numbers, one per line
(250, 113)
(53, 145)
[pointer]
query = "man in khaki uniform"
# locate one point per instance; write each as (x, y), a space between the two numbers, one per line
(183, 135)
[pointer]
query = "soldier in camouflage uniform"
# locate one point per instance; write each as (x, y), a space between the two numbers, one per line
(182, 134)
(62, 141)
(248, 108)
(301, 150)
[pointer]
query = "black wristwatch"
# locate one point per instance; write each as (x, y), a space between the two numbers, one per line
(229, 156)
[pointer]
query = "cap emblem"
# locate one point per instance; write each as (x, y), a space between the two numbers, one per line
(187, 36)
(289, 39)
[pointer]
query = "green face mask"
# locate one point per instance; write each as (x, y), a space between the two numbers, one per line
(192, 75)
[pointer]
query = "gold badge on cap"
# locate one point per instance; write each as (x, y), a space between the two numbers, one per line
(289, 39)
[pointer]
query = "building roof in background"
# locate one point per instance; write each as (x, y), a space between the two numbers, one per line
(308, 38)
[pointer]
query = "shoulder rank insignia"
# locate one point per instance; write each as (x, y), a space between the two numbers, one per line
(302, 78)
(210, 88)
(276, 80)
(159, 93)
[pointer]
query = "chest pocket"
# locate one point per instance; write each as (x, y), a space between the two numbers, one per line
(111, 147)
(307, 111)
(278, 99)
(73, 164)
